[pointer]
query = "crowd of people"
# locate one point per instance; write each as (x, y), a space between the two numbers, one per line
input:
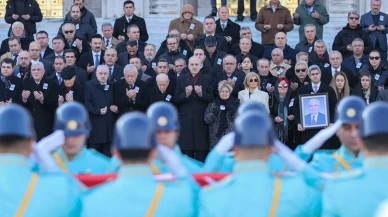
(210, 99)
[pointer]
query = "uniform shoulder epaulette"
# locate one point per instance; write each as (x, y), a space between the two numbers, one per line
(164, 177)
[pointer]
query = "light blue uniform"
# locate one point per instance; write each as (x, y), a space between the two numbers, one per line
(191, 165)
(86, 161)
(250, 192)
(54, 194)
(326, 162)
(133, 192)
(359, 195)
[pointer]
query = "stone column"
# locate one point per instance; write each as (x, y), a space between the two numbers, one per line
(162, 8)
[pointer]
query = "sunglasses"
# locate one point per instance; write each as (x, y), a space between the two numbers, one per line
(374, 58)
(67, 32)
(254, 80)
(354, 18)
(300, 70)
(283, 86)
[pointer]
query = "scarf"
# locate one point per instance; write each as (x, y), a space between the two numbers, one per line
(281, 129)
(6, 82)
(223, 122)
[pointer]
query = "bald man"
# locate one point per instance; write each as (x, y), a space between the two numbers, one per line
(193, 93)
(281, 42)
(34, 50)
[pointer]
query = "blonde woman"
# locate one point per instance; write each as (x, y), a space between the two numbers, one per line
(340, 84)
(252, 91)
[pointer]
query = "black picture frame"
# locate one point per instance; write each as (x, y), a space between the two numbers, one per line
(314, 110)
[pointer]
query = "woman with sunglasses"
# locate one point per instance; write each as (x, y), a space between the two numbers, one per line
(282, 111)
(378, 69)
(252, 90)
(340, 84)
(220, 114)
(365, 88)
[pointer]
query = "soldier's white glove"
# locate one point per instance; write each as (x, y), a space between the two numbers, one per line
(290, 158)
(321, 137)
(52, 142)
(225, 144)
(171, 160)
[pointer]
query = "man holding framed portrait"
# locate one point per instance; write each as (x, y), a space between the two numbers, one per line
(314, 108)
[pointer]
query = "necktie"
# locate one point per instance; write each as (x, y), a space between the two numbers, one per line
(278, 67)
(315, 89)
(96, 61)
(314, 121)
(129, 20)
(15, 57)
(223, 26)
(110, 70)
(59, 80)
(107, 43)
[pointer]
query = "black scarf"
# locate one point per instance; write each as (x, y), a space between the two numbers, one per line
(281, 128)
(6, 82)
(223, 123)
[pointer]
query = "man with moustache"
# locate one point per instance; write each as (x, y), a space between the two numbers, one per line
(115, 70)
(149, 65)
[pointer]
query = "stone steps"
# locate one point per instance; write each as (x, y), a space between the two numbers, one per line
(157, 29)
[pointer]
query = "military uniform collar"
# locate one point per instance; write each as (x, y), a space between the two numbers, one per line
(135, 170)
(376, 162)
(14, 159)
(62, 154)
(347, 155)
(253, 165)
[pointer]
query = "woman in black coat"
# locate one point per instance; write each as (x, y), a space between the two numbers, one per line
(220, 114)
(281, 105)
(365, 88)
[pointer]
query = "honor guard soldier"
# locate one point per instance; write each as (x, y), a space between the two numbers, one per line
(252, 186)
(24, 192)
(136, 192)
(360, 195)
(73, 157)
(348, 156)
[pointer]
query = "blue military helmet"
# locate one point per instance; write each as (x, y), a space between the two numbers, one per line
(134, 131)
(349, 110)
(252, 106)
(374, 120)
(16, 121)
(253, 129)
(163, 116)
(73, 119)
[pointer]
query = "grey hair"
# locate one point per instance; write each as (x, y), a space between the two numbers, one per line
(302, 53)
(320, 41)
(68, 24)
(106, 24)
(17, 23)
(263, 59)
(310, 25)
(245, 28)
(335, 52)
(161, 77)
(301, 63)
(152, 45)
(229, 55)
(37, 64)
(129, 68)
(358, 39)
(314, 67)
(353, 12)
(277, 49)
(102, 67)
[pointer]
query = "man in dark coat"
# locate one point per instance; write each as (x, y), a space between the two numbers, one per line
(193, 93)
(163, 91)
(130, 93)
(59, 47)
(257, 49)
(40, 98)
(132, 51)
(98, 97)
(129, 18)
(319, 56)
(172, 54)
(343, 40)
(281, 42)
(307, 45)
(133, 34)
(214, 57)
(182, 45)
(116, 71)
(210, 29)
(70, 90)
(227, 28)
(17, 32)
(26, 12)
(13, 85)
(316, 87)
(34, 50)
(358, 59)
(81, 74)
(43, 38)
(79, 45)
(337, 66)
(90, 60)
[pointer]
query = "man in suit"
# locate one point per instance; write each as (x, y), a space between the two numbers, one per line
(227, 28)
(14, 50)
(98, 98)
(172, 54)
(335, 59)
(132, 51)
(257, 49)
(13, 84)
(17, 32)
(320, 56)
(108, 41)
(281, 42)
(193, 93)
(375, 23)
(314, 87)
(141, 75)
(43, 39)
(214, 57)
(40, 98)
(149, 65)
(115, 71)
(163, 91)
(245, 47)
(81, 74)
(71, 90)
(210, 29)
(130, 93)
(314, 117)
(129, 18)
(58, 46)
(133, 33)
(90, 60)
(79, 45)
(34, 51)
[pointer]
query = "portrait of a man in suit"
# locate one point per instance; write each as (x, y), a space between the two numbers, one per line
(315, 117)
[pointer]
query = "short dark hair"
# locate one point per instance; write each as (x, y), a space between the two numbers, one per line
(14, 38)
(60, 57)
(377, 143)
(210, 17)
(134, 155)
(8, 61)
(42, 32)
(199, 48)
(13, 142)
(98, 36)
(132, 43)
(132, 26)
(82, 1)
(162, 60)
(128, 2)
(58, 38)
(68, 51)
(71, 8)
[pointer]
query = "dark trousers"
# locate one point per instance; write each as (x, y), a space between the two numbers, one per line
(197, 155)
(241, 9)
(103, 148)
(213, 3)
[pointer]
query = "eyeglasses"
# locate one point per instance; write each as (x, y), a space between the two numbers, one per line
(374, 58)
(300, 70)
(354, 18)
(283, 86)
(67, 32)
(254, 80)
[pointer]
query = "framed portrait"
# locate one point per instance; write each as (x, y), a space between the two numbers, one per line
(314, 110)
